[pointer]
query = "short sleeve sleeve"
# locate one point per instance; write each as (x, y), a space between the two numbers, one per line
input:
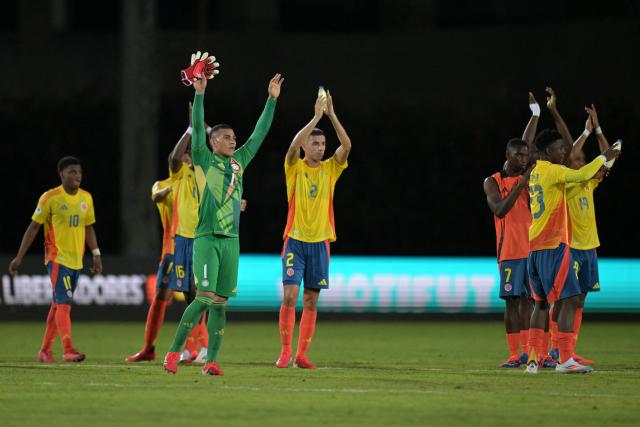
(42, 210)
(90, 219)
(336, 168)
(290, 170)
(559, 173)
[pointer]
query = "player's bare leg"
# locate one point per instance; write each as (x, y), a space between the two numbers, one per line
(307, 328)
(287, 323)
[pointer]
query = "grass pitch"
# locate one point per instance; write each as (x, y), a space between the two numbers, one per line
(385, 373)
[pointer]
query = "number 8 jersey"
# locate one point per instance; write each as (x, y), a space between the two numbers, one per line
(64, 217)
(548, 201)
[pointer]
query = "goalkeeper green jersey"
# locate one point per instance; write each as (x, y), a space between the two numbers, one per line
(219, 179)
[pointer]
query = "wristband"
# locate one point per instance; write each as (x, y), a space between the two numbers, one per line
(586, 133)
(535, 109)
(189, 130)
(599, 130)
(95, 252)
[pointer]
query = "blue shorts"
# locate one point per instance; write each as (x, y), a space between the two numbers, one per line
(305, 261)
(588, 276)
(553, 274)
(163, 277)
(514, 279)
(182, 273)
(64, 281)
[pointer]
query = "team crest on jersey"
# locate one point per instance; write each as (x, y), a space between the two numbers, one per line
(290, 272)
(83, 206)
(508, 287)
(235, 166)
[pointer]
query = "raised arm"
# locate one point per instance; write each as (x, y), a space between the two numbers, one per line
(27, 240)
(342, 152)
(198, 137)
(561, 126)
(602, 140)
(293, 153)
(501, 206)
(589, 170)
(175, 158)
(250, 148)
(92, 243)
(579, 143)
(159, 194)
(530, 131)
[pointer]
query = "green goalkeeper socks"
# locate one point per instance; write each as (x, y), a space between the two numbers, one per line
(215, 326)
(190, 318)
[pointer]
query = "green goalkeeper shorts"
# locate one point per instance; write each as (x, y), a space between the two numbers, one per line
(215, 264)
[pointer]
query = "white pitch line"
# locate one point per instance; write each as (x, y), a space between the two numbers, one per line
(625, 372)
(346, 390)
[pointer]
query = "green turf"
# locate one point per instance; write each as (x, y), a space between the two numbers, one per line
(386, 373)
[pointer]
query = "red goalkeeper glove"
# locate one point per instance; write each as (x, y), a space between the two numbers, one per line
(202, 65)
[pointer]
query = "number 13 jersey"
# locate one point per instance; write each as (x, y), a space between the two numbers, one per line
(548, 201)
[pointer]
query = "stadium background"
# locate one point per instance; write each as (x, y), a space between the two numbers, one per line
(429, 91)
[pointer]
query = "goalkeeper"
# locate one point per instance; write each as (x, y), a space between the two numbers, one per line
(216, 247)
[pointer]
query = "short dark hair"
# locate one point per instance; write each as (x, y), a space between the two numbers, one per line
(220, 126)
(67, 161)
(515, 144)
(316, 131)
(546, 138)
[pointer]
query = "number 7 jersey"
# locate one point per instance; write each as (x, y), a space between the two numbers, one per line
(65, 217)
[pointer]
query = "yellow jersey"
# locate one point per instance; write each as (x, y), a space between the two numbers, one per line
(165, 209)
(65, 217)
(185, 201)
(310, 195)
(548, 201)
(582, 215)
